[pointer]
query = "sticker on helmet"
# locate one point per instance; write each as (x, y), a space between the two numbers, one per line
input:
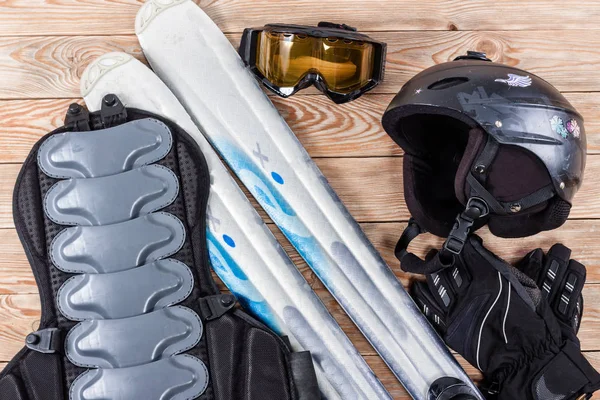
(558, 126)
(573, 128)
(516, 80)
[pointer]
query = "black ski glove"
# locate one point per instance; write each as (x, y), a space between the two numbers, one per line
(561, 282)
(496, 317)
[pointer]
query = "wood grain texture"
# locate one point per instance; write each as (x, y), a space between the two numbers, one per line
(113, 17)
(346, 130)
(50, 67)
(371, 188)
(47, 67)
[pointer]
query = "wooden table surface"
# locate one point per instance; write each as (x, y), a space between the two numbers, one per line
(46, 44)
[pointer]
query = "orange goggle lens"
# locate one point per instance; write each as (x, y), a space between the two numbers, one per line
(285, 58)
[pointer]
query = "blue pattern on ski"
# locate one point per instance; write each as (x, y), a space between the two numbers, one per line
(275, 205)
(237, 281)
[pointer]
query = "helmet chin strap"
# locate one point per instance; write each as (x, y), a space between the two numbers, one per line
(476, 209)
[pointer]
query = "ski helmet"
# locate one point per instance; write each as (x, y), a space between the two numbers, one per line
(492, 141)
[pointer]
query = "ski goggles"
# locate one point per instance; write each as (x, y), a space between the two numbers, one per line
(339, 61)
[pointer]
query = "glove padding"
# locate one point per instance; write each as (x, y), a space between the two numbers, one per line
(521, 337)
(561, 282)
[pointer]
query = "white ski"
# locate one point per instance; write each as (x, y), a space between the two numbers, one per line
(243, 251)
(193, 57)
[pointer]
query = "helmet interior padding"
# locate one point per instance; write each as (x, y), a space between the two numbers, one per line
(441, 152)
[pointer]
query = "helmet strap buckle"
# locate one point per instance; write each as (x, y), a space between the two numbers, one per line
(475, 209)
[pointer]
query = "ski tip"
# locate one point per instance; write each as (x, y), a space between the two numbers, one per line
(99, 67)
(151, 9)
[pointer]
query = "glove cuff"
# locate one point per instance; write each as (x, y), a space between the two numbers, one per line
(567, 376)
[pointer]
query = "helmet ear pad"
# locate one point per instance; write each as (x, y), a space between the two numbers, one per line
(544, 217)
(429, 194)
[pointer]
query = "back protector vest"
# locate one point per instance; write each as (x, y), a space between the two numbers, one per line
(111, 212)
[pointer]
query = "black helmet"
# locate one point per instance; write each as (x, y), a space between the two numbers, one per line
(487, 137)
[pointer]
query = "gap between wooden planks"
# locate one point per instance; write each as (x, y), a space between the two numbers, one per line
(37, 17)
(50, 67)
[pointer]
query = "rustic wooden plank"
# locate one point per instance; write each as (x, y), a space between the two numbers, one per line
(346, 130)
(49, 67)
(19, 315)
(79, 17)
(409, 53)
(24, 122)
(371, 188)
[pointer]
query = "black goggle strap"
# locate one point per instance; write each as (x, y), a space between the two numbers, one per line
(325, 24)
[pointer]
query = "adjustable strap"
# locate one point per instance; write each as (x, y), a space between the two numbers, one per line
(46, 341)
(568, 374)
(213, 307)
(412, 263)
(478, 176)
(412, 230)
(512, 207)
(476, 209)
(485, 158)
(304, 375)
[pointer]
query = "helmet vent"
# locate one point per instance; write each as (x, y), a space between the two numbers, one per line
(447, 83)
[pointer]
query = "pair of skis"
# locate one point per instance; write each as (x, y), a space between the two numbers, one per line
(242, 249)
(222, 102)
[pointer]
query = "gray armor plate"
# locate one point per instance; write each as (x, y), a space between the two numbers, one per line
(111, 199)
(181, 377)
(106, 151)
(127, 293)
(118, 247)
(127, 342)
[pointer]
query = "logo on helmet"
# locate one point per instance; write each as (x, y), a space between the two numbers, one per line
(558, 126)
(573, 128)
(516, 80)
